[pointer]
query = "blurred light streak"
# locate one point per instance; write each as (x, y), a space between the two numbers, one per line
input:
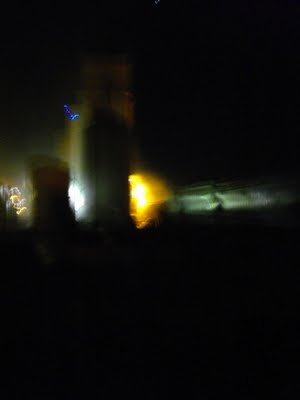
(21, 210)
(229, 196)
(69, 113)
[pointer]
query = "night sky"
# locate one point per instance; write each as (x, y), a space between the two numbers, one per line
(216, 83)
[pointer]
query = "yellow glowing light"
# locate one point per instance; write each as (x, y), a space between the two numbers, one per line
(16, 202)
(147, 193)
(15, 199)
(22, 209)
(139, 194)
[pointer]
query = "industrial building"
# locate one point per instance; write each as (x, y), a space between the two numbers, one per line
(97, 145)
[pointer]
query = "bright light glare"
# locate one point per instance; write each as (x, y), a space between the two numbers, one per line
(139, 193)
(146, 196)
(76, 197)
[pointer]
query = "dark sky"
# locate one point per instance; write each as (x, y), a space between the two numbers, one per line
(216, 83)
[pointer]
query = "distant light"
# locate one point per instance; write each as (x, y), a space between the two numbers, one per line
(69, 114)
(156, 1)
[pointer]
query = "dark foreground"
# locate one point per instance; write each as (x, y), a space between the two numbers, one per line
(181, 312)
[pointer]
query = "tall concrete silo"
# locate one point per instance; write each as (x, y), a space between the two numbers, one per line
(100, 140)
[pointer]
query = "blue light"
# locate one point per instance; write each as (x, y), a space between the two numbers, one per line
(69, 113)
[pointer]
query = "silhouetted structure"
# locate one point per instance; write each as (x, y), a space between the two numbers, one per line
(50, 208)
(107, 168)
(98, 143)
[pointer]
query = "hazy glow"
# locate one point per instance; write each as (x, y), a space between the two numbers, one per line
(201, 202)
(147, 193)
(197, 199)
(250, 200)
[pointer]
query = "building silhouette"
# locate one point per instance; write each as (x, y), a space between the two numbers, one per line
(98, 145)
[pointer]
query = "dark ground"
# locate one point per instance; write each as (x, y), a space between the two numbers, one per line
(181, 312)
